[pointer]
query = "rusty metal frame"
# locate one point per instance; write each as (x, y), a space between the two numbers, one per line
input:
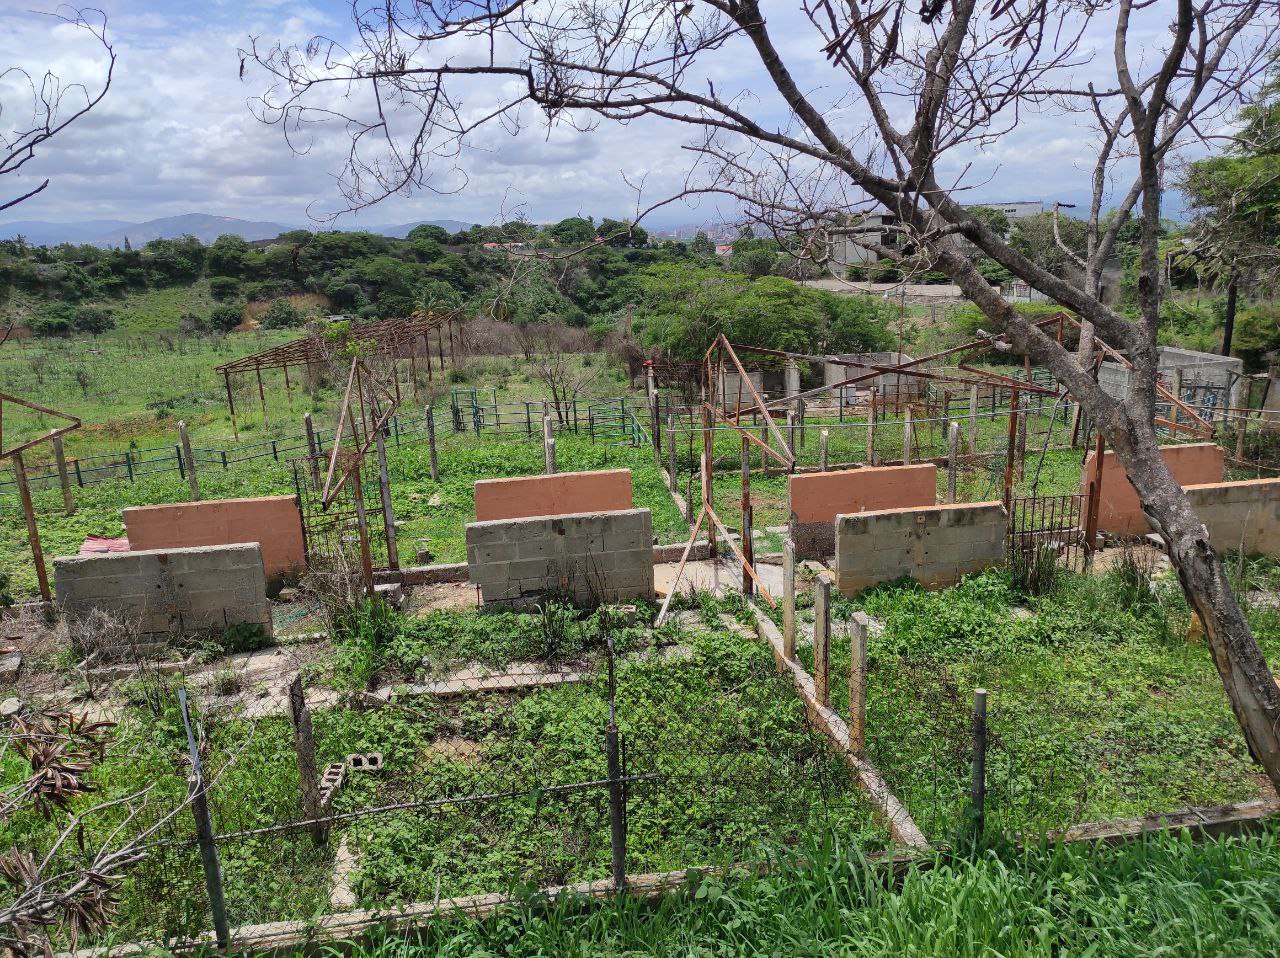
(20, 474)
(386, 339)
(361, 382)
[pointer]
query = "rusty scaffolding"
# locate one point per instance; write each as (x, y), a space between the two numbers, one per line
(950, 367)
(14, 454)
(426, 336)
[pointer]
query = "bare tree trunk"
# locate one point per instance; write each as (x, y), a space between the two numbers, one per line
(1129, 430)
(1250, 687)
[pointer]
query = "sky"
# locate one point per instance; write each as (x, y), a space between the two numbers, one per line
(175, 133)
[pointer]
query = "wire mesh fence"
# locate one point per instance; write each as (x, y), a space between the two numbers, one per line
(627, 756)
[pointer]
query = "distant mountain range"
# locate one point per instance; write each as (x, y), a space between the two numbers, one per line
(204, 226)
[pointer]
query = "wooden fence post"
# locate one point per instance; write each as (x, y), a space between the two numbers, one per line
(671, 451)
(304, 746)
(388, 511)
(313, 451)
(68, 503)
(824, 446)
(189, 457)
(871, 427)
(822, 639)
(858, 682)
(973, 419)
(953, 456)
(908, 436)
(548, 446)
(789, 600)
(33, 531)
(431, 444)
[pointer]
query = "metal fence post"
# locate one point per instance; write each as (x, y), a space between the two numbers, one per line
(978, 786)
(204, 834)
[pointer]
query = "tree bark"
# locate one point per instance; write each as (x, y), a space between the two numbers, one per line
(1229, 321)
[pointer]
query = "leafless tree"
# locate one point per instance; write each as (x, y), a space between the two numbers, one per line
(916, 90)
(47, 104)
(556, 363)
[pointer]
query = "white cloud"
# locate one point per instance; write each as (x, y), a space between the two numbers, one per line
(175, 133)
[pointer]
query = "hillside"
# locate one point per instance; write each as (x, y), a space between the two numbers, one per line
(206, 227)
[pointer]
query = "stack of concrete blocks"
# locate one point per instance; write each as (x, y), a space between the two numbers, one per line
(818, 497)
(1240, 514)
(595, 557)
(273, 522)
(935, 545)
(169, 591)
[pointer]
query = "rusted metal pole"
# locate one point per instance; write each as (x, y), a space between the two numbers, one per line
(431, 444)
(953, 460)
(1095, 495)
(33, 532)
(871, 427)
(313, 452)
(973, 419)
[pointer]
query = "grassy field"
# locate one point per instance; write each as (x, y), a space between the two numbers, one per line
(1099, 707)
(432, 515)
(1166, 896)
(725, 768)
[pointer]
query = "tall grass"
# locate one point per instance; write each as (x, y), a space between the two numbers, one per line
(1160, 896)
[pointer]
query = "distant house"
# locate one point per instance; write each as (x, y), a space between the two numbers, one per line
(881, 229)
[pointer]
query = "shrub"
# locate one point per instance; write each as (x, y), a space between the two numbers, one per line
(93, 319)
(227, 316)
(224, 287)
(54, 319)
(281, 314)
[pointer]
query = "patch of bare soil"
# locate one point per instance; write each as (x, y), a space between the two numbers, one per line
(445, 595)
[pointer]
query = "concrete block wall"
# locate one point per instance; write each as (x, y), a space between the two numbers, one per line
(1119, 509)
(1233, 512)
(935, 545)
(818, 497)
(558, 494)
(273, 522)
(598, 556)
(170, 590)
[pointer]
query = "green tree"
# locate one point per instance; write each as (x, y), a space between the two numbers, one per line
(702, 245)
(1235, 198)
(574, 231)
(225, 255)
